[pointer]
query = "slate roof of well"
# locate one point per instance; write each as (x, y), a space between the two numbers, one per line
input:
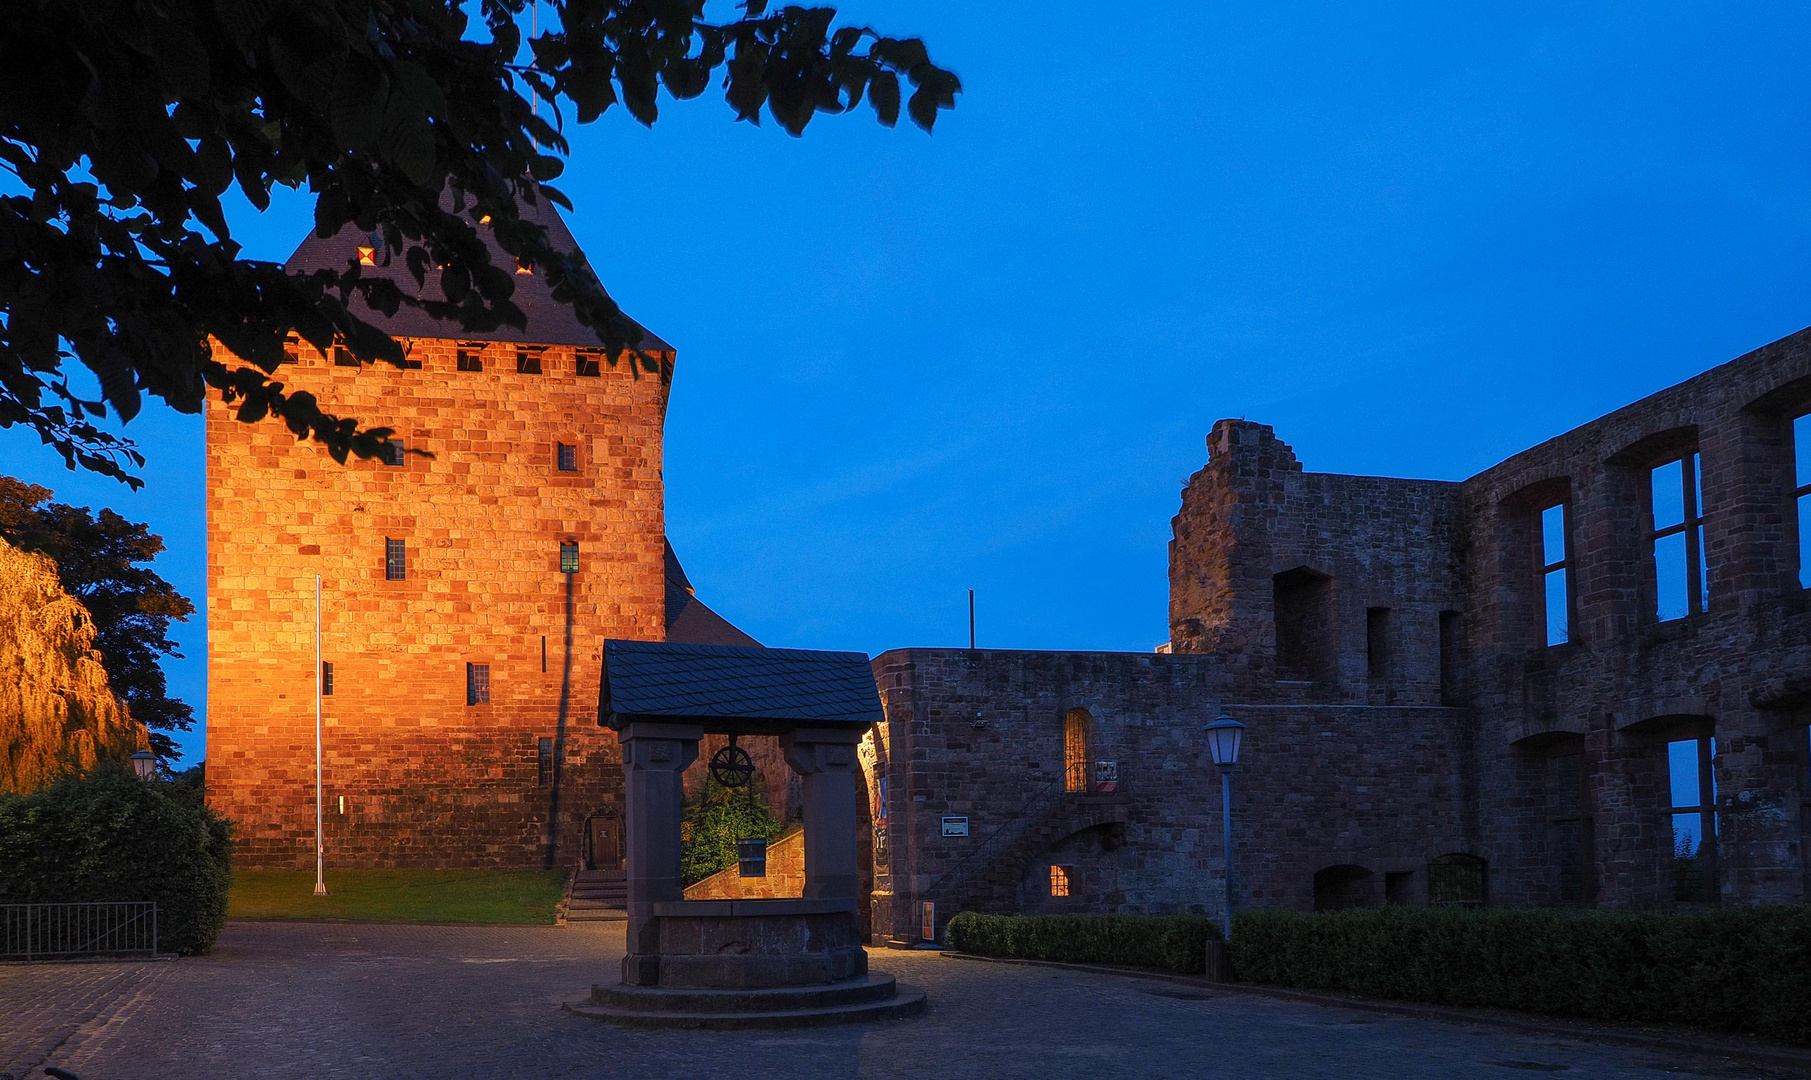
(549, 321)
(715, 683)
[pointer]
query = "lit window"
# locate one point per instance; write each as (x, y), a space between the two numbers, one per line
(1801, 442)
(367, 256)
(469, 360)
(391, 453)
(396, 566)
(588, 361)
(1556, 608)
(544, 759)
(1076, 725)
(1060, 877)
(528, 362)
(1677, 541)
(326, 678)
(569, 557)
(523, 268)
(568, 456)
(1692, 787)
(477, 684)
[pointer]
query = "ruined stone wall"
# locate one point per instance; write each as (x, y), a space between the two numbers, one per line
(785, 874)
(1627, 682)
(426, 779)
(1313, 587)
(57, 711)
(980, 734)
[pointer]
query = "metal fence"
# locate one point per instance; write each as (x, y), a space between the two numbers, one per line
(61, 931)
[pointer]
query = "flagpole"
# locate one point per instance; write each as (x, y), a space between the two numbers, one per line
(320, 882)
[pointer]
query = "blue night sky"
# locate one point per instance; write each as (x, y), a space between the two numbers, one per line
(1414, 238)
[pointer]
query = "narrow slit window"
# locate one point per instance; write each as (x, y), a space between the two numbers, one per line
(477, 684)
(396, 562)
(1377, 642)
(1556, 595)
(326, 678)
(528, 362)
(1060, 880)
(392, 453)
(1681, 586)
(470, 359)
(567, 457)
(1801, 494)
(544, 761)
(569, 557)
(588, 361)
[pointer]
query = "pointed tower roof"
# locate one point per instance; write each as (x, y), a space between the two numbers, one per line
(549, 321)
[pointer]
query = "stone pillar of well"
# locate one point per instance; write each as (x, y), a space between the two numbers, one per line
(655, 756)
(826, 762)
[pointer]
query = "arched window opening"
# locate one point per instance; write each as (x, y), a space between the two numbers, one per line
(1078, 737)
(1346, 886)
(1456, 881)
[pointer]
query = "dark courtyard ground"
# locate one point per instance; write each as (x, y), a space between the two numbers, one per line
(322, 1001)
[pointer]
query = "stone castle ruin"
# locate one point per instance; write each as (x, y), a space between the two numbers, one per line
(1579, 678)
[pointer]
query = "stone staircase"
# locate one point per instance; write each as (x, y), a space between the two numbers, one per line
(598, 895)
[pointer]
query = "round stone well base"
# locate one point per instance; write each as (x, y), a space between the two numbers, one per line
(873, 995)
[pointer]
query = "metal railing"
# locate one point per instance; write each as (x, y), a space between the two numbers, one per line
(62, 931)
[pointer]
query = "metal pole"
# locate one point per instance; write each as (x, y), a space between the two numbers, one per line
(971, 618)
(320, 881)
(1226, 824)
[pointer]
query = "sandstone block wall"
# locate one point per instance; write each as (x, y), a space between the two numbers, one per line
(425, 778)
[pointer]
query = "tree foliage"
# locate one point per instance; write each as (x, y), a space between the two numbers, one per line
(712, 822)
(99, 561)
(125, 123)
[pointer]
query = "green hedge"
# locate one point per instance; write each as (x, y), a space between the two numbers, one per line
(109, 836)
(1742, 969)
(1174, 942)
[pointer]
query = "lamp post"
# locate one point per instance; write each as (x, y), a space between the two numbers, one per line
(1224, 737)
(144, 763)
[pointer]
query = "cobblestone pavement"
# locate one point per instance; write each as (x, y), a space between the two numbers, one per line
(329, 1001)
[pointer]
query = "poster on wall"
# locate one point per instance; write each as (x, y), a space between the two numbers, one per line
(955, 826)
(1106, 776)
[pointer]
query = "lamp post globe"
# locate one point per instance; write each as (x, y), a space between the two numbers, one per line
(144, 763)
(1224, 738)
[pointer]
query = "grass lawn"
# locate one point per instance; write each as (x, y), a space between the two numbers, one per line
(433, 896)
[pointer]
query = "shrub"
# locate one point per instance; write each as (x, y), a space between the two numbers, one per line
(711, 824)
(109, 836)
(1173, 942)
(1742, 969)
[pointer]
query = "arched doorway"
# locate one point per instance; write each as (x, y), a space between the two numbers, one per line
(603, 840)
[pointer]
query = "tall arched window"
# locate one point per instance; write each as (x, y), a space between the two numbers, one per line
(1078, 733)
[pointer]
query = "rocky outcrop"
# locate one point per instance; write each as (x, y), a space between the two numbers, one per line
(57, 712)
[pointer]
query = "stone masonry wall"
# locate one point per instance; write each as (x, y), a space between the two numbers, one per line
(425, 779)
(979, 734)
(1625, 683)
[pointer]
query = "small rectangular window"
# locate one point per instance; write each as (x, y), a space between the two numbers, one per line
(392, 453)
(1060, 877)
(567, 456)
(468, 359)
(1377, 642)
(1556, 605)
(342, 357)
(588, 361)
(409, 361)
(528, 361)
(326, 678)
(396, 565)
(569, 557)
(1801, 494)
(1681, 584)
(292, 350)
(477, 684)
(544, 759)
